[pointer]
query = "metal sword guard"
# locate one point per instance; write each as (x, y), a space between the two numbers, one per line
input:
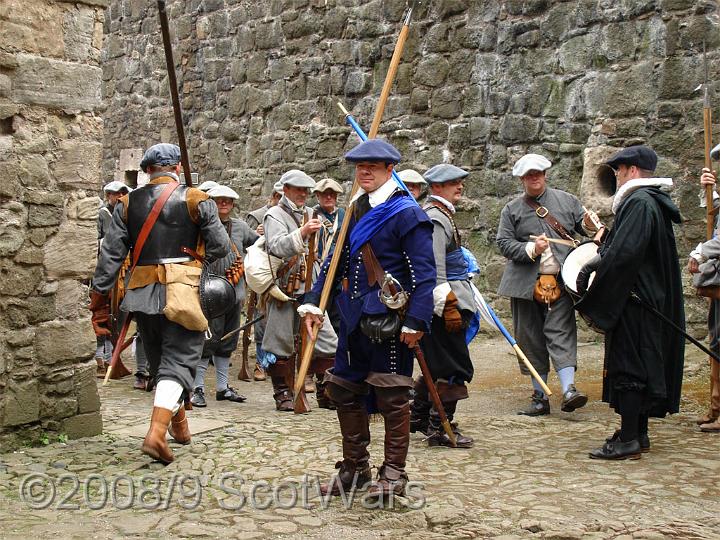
(391, 293)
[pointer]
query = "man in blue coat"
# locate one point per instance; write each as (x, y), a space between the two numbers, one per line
(388, 234)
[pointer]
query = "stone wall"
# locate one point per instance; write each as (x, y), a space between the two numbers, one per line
(50, 151)
(481, 83)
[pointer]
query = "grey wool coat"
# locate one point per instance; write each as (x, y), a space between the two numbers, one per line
(518, 221)
(283, 239)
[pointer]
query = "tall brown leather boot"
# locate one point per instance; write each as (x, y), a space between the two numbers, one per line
(155, 444)
(714, 412)
(179, 429)
(394, 406)
(354, 469)
(279, 375)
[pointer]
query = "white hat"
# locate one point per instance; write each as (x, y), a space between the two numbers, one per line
(278, 187)
(409, 176)
(223, 191)
(116, 187)
(207, 185)
(530, 162)
(297, 178)
(327, 183)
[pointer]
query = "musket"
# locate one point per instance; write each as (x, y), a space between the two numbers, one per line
(340, 242)
(243, 374)
(243, 327)
(170, 62)
(300, 403)
(707, 128)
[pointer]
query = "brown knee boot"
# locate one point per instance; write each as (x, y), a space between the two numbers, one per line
(279, 375)
(714, 411)
(354, 469)
(155, 444)
(179, 429)
(394, 406)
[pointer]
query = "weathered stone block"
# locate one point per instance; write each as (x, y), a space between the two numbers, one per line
(78, 165)
(33, 27)
(13, 217)
(17, 280)
(519, 128)
(84, 209)
(43, 216)
(83, 425)
(432, 70)
(72, 251)
(59, 341)
(54, 83)
(22, 403)
(86, 391)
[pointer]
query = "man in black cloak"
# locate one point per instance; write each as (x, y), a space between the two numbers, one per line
(643, 368)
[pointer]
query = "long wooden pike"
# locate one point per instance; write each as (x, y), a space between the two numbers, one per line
(172, 79)
(707, 128)
(342, 235)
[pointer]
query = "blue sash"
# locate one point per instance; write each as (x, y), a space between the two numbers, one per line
(456, 266)
(374, 220)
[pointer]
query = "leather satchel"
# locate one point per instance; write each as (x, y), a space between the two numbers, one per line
(547, 290)
(707, 280)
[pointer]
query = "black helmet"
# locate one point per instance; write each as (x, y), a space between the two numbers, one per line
(217, 294)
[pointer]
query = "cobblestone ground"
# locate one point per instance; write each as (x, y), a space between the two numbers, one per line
(525, 477)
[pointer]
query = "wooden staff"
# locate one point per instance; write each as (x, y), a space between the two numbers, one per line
(177, 110)
(707, 128)
(340, 243)
(560, 241)
(434, 396)
(300, 403)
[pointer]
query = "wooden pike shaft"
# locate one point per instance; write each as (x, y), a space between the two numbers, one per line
(434, 396)
(177, 110)
(531, 369)
(342, 234)
(710, 214)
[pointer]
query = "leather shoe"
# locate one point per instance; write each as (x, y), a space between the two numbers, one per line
(643, 439)
(440, 438)
(140, 382)
(617, 450)
(198, 397)
(259, 374)
(572, 399)
(706, 419)
(539, 405)
(711, 427)
(229, 394)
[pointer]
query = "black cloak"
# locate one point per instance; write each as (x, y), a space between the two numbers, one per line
(642, 352)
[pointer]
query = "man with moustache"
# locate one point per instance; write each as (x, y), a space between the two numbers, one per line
(544, 331)
(445, 347)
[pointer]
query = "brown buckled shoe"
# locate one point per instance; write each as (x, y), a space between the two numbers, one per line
(390, 481)
(283, 400)
(539, 405)
(350, 476)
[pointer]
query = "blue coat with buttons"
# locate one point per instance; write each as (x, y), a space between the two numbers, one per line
(404, 248)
